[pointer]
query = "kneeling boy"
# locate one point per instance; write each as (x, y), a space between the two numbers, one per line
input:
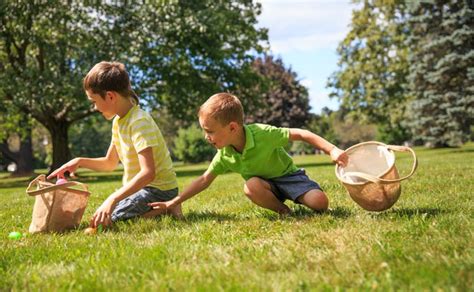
(256, 152)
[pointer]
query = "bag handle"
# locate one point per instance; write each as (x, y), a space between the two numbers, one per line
(378, 180)
(40, 181)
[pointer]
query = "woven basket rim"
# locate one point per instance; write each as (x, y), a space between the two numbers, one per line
(358, 146)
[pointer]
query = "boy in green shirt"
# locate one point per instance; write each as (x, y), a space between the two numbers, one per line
(256, 152)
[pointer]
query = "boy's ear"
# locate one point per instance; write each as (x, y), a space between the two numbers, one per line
(111, 95)
(233, 126)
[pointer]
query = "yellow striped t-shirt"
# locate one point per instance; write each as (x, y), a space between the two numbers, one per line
(134, 132)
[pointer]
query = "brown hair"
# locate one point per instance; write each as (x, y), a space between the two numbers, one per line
(224, 107)
(109, 76)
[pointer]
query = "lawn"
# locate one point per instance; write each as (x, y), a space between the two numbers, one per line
(424, 242)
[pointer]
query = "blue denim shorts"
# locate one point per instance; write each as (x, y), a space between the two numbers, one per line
(137, 204)
(291, 186)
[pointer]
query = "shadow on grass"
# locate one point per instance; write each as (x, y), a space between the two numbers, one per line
(457, 150)
(301, 212)
(412, 212)
(208, 216)
(16, 182)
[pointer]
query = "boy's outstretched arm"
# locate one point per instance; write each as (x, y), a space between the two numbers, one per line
(197, 186)
(337, 155)
(107, 163)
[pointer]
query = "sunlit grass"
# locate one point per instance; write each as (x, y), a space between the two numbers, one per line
(226, 243)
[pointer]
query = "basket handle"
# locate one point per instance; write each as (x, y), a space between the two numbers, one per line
(378, 180)
(41, 181)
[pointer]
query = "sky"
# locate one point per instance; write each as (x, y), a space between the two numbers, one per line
(305, 35)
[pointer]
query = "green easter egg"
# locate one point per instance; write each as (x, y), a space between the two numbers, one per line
(14, 235)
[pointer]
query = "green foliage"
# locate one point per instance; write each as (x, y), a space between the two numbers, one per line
(190, 145)
(90, 137)
(226, 243)
(323, 125)
(373, 66)
(341, 129)
(441, 72)
(301, 148)
(283, 100)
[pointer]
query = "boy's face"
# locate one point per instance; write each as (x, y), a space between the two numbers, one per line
(215, 133)
(102, 105)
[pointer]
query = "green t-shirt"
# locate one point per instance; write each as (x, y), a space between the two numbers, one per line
(263, 154)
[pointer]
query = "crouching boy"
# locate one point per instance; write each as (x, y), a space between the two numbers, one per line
(256, 152)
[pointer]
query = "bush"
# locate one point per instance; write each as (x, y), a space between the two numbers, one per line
(190, 146)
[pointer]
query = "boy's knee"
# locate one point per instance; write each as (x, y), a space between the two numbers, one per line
(316, 200)
(251, 186)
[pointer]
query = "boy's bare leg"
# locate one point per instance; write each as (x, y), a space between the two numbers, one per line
(154, 213)
(175, 212)
(260, 192)
(315, 199)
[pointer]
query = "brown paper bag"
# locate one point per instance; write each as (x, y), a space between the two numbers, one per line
(57, 207)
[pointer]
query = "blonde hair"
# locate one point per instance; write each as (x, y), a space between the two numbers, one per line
(109, 76)
(224, 108)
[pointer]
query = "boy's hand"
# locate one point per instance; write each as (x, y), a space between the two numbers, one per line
(103, 215)
(162, 205)
(71, 166)
(339, 156)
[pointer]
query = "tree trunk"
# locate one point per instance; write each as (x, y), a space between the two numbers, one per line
(59, 135)
(23, 158)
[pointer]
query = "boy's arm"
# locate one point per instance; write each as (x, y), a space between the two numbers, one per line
(145, 176)
(197, 186)
(337, 155)
(107, 163)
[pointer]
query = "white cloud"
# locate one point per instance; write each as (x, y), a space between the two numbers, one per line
(304, 32)
(307, 43)
(305, 25)
(307, 82)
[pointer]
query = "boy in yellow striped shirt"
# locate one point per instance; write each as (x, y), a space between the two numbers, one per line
(136, 141)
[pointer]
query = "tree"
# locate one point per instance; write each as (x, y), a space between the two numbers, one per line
(284, 100)
(371, 82)
(46, 53)
(323, 125)
(190, 145)
(441, 72)
(15, 126)
(177, 53)
(90, 137)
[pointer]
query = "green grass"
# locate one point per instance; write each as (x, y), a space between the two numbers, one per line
(425, 242)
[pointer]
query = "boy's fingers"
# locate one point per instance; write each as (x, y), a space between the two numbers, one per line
(159, 205)
(55, 173)
(156, 204)
(52, 175)
(91, 222)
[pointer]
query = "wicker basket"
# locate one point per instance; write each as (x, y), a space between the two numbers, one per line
(57, 207)
(371, 177)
